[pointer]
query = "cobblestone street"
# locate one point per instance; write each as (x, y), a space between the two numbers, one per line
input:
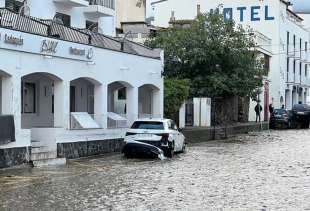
(261, 171)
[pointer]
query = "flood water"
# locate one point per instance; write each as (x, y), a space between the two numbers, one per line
(260, 171)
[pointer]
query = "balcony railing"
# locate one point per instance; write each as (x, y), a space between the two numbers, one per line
(106, 3)
(49, 28)
(263, 41)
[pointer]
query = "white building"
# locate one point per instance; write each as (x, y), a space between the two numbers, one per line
(281, 36)
(58, 81)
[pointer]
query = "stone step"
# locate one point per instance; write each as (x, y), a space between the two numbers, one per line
(50, 162)
(39, 149)
(43, 155)
(35, 143)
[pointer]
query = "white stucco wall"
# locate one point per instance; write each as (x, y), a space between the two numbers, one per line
(104, 68)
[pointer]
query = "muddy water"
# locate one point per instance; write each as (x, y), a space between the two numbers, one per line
(263, 171)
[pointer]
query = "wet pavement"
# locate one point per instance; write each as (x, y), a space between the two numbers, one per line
(260, 171)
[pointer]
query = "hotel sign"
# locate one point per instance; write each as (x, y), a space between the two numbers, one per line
(252, 13)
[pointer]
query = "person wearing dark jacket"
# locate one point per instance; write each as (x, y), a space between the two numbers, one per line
(258, 109)
(271, 108)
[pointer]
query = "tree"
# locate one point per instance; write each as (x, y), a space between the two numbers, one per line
(176, 92)
(216, 56)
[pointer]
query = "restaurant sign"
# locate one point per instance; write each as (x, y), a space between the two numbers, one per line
(12, 40)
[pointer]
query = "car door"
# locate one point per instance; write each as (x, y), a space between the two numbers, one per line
(181, 138)
(172, 134)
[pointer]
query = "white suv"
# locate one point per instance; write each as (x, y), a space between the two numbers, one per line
(153, 136)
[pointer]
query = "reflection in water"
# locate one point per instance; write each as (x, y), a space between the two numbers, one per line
(267, 171)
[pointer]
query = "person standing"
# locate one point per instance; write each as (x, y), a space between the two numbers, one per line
(271, 108)
(258, 109)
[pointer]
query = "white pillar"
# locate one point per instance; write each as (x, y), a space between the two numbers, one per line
(197, 109)
(101, 105)
(205, 112)
(294, 97)
(288, 99)
(132, 104)
(182, 116)
(158, 104)
(2, 3)
(66, 105)
(11, 99)
(59, 104)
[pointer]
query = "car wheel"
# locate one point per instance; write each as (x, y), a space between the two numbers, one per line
(184, 148)
(169, 151)
(307, 124)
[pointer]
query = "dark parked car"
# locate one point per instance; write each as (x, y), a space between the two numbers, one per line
(301, 115)
(281, 118)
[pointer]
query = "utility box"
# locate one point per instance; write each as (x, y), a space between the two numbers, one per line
(202, 112)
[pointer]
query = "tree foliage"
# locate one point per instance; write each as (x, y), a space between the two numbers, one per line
(176, 92)
(217, 57)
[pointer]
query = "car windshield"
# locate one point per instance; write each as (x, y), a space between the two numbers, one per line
(147, 125)
(279, 112)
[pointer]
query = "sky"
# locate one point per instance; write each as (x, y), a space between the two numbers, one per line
(301, 5)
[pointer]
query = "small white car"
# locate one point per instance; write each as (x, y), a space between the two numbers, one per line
(153, 137)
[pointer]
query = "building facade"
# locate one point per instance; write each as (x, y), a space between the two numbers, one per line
(281, 37)
(130, 11)
(62, 84)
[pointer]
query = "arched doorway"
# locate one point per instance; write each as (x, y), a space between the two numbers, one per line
(82, 104)
(40, 93)
(120, 104)
(149, 101)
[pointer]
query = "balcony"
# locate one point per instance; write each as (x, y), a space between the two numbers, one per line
(73, 3)
(264, 43)
(48, 28)
(100, 8)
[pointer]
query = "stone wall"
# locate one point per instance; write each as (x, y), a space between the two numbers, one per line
(194, 135)
(88, 148)
(14, 156)
(226, 110)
